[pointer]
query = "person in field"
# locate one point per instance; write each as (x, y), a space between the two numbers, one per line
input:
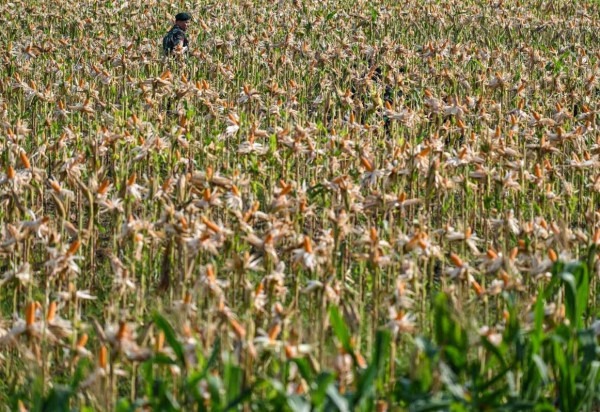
(176, 41)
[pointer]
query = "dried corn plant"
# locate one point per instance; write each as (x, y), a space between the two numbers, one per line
(311, 176)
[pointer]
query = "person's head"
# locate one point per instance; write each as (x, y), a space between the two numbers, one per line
(182, 20)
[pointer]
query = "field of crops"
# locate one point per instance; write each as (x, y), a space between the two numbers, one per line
(323, 205)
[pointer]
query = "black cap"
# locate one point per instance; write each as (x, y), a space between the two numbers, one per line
(183, 17)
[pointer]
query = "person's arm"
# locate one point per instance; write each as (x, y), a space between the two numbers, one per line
(179, 38)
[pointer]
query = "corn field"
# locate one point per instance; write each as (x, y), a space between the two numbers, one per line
(321, 205)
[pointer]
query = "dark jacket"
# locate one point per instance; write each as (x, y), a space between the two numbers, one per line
(173, 38)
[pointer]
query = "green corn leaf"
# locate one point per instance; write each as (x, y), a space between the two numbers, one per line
(340, 329)
(366, 384)
(589, 388)
(338, 400)
(244, 396)
(583, 288)
(571, 304)
(304, 368)
(497, 378)
(58, 399)
(233, 380)
(80, 374)
(541, 368)
(321, 386)
(215, 387)
(298, 404)
(494, 350)
(170, 336)
(162, 359)
(123, 406)
(538, 329)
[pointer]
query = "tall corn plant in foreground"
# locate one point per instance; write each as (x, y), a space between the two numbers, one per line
(224, 390)
(545, 366)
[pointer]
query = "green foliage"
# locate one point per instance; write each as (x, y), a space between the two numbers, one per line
(557, 366)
